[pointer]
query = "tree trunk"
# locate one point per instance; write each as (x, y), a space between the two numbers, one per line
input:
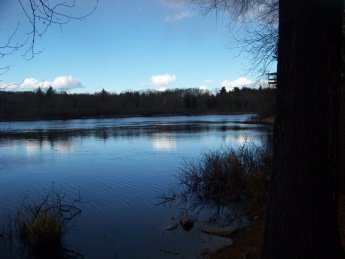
(302, 213)
(342, 139)
(342, 115)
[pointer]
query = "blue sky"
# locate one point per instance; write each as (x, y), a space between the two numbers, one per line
(127, 45)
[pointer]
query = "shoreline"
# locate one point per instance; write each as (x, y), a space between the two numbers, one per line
(66, 118)
(247, 243)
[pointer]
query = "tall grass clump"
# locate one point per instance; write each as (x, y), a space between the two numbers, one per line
(228, 175)
(39, 228)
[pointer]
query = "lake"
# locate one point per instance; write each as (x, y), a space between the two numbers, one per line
(119, 167)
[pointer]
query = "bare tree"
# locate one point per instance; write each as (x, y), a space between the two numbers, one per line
(260, 21)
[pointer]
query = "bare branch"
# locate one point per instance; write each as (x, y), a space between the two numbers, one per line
(3, 70)
(41, 14)
(260, 19)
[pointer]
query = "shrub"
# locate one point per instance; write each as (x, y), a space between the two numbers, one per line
(39, 228)
(43, 233)
(226, 176)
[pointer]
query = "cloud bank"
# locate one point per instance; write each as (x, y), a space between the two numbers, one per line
(60, 83)
(240, 82)
(243, 82)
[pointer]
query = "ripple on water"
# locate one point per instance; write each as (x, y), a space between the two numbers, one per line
(119, 166)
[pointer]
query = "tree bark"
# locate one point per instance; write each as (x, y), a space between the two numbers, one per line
(302, 214)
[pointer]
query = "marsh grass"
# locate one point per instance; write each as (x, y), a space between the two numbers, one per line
(38, 228)
(220, 178)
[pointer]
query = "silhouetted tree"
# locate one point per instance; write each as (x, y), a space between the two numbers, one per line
(39, 95)
(302, 215)
(222, 91)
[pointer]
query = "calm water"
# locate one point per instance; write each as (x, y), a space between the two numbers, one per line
(120, 167)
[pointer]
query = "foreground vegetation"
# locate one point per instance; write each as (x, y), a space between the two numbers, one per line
(53, 105)
(222, 177)
(227, 176)
(38, 228)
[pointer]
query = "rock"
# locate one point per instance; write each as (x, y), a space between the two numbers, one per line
(218, 231)
(186, 223)
(171, 226)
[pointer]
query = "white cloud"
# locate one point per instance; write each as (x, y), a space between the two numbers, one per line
(163, 80)
(244, 82)
(62, 83)
(30, 83)
(202, 87)
(240, 82)
(8, 86)
(66, 83)
(177, 16)
(161, 89)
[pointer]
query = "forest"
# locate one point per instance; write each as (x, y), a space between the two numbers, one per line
(52, 105)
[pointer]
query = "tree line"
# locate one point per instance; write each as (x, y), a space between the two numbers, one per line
(52, 105)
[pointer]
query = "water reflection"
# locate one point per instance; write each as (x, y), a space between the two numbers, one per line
(163, 135)
(65, 146)
(163, 142)
(120, 166)
(240, 139)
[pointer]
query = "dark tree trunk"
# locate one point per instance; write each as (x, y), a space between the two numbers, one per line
(342, 140)
(342, 115)
(302, 213)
